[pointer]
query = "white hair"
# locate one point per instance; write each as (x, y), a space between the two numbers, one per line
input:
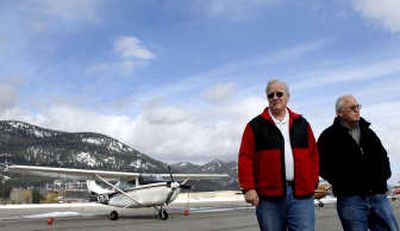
(285, 86)
(340, 101)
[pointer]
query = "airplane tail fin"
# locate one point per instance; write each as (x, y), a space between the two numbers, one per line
(4, 169)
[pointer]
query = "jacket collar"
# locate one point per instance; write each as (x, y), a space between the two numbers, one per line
(362, 123)
(292, 115)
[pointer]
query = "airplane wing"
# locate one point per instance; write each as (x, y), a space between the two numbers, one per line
(70, 173)
(84, 174)
(184, 176)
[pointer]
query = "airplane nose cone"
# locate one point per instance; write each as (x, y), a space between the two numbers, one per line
(175, 185)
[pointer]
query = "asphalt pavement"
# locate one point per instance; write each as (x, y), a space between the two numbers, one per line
(202, 217)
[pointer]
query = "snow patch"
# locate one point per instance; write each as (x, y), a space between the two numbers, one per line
(92, 141)
(38, 134)
(86, 158)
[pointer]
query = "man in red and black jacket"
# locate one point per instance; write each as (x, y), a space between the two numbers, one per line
(278, 165)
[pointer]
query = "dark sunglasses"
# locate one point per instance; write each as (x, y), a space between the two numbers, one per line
(278, 94)
(355, 107)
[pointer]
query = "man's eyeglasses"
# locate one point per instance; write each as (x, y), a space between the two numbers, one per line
(278, 94)
(355, 107)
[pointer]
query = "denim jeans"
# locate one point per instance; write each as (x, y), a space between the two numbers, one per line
(358, 213)
(288, 213)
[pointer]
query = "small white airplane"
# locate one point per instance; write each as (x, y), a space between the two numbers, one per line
(130, 191)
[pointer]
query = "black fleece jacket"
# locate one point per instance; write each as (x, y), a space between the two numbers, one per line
(353, 169)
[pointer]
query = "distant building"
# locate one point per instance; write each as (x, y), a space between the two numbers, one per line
(62, 186)
(20, 196)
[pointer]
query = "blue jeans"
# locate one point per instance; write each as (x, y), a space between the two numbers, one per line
(358, 213)
(287, 213)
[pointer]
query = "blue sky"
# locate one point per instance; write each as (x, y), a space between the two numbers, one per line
(178, 80)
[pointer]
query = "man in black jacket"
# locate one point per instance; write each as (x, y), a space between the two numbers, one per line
(354, 161)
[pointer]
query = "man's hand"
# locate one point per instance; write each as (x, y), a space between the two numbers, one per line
(321, 191)
(251, 197)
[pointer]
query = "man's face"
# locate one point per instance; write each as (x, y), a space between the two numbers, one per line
(278, 98)
(350, 111)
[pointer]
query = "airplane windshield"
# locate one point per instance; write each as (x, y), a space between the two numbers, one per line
(142, 181)
(149, 179)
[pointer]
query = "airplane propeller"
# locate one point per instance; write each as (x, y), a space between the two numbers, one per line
(170, 174)
(181, 185)
(175, 185)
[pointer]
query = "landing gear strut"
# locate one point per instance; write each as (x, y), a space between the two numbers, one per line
(114, 215)
(163, 214)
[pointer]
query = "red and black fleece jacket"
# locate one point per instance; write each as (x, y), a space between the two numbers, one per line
(262, 160)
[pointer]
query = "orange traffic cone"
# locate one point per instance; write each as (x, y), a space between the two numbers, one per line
(186, 212)
(50, 220)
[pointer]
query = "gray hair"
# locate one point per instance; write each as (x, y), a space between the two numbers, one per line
(340, 101)
(285, 86)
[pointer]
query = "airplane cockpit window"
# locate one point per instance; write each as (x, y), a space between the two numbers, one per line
(149, 179)
(125, 184)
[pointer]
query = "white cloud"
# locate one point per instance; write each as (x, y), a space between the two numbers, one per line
(385, 12)
(220, 92)
(74, 119)
(115, 68)
(131, 54)
(241, 69)
(193, 134)
(127, 66)
(47, 15)
(166, 115)
(71, 10)
(9, 87)
(8, 96)
(234, 10)
(361, 72)
(129, 47)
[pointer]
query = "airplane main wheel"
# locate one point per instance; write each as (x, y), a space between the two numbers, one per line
(114, 216)
(163, 214)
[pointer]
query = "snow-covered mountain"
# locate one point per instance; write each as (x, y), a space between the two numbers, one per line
(23, 143)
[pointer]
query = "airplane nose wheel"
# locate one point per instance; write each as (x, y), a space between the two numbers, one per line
(163, 214)
(320, 204)
(114, 215)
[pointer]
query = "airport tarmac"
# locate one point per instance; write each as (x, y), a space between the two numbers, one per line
(234, 215)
